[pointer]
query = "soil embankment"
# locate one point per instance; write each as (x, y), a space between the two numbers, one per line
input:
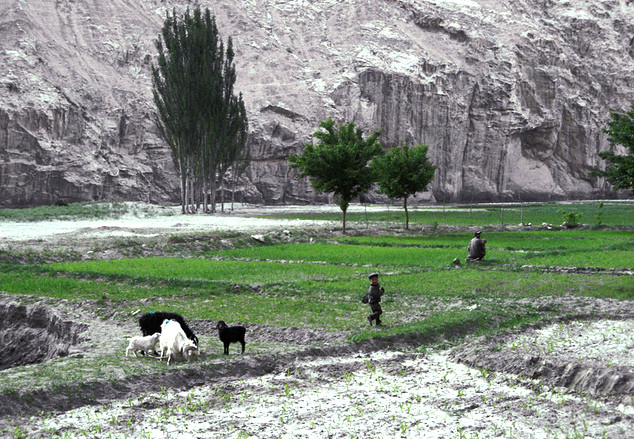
(33, 334)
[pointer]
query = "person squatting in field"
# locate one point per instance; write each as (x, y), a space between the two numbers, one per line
(374, 299)
(476, 248)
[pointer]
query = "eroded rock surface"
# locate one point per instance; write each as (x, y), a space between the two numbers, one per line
(511, 97)
(32, 334)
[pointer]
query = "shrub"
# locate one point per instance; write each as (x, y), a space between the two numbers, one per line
(569, 218)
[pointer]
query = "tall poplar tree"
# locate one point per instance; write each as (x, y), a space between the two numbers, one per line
(198, 115)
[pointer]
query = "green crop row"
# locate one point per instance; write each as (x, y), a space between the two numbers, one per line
(611, 214)
(386, 256)
(541, 240)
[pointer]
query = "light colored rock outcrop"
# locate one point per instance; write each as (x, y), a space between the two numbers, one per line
(510, 96)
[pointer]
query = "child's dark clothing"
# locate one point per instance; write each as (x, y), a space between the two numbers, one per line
(374, 301)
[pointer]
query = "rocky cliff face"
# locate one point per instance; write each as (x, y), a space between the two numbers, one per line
(511, 97)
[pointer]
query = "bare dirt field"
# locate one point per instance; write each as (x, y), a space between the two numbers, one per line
(572, 377)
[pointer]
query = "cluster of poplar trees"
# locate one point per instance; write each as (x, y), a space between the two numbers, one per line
(198, 115)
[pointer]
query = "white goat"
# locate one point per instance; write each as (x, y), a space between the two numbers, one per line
(145, 344)
(174, 342)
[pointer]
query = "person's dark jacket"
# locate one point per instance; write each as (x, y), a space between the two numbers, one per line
(375, 293)
(476, 249)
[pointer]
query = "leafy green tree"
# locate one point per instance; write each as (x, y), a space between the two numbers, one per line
(339, 162)
(402, 172)
(198, 115)
(620, 170)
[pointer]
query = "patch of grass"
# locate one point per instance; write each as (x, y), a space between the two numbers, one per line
(610, 214)
(371, 256)
(587, 258)
(561, 248)
(453, 324)
(209, 270)
(61, 372)
(83, 210)
(69, 212)
(541, 240)
(477, 284)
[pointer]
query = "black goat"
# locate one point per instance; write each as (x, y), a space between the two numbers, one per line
(231, 334)
(151, 323)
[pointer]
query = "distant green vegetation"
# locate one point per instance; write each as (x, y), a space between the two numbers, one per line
(75, 211)
(607, 213)
(591, 213)
(515, 248)
(525, 240)
(319, 284)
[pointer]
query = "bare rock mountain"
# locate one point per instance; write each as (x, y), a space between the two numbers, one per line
(510, 96)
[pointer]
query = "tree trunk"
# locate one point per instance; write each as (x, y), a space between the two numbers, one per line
(406, 213)
(222, 194)
(344, 220)
(199, 194)
(233, 194)
(192, 194)
(212, 187)
(187, 195)
(183, 177)
(204, 194)
(183, 186)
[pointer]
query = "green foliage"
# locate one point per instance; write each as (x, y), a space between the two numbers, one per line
(339, 163)
(402, 172)
(620, 169)
(600, 213)
(570, 218)
(199, 117)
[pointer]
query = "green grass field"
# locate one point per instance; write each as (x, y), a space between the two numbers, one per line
(319, 284)
(612, 213)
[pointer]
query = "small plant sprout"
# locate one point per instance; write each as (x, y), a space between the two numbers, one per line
(485, 372)
(407, 406)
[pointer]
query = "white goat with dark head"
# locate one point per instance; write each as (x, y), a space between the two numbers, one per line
(174, 342)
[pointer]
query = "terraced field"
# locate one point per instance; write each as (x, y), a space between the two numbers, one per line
(534, 341)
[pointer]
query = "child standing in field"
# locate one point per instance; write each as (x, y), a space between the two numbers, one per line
(374, 299)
